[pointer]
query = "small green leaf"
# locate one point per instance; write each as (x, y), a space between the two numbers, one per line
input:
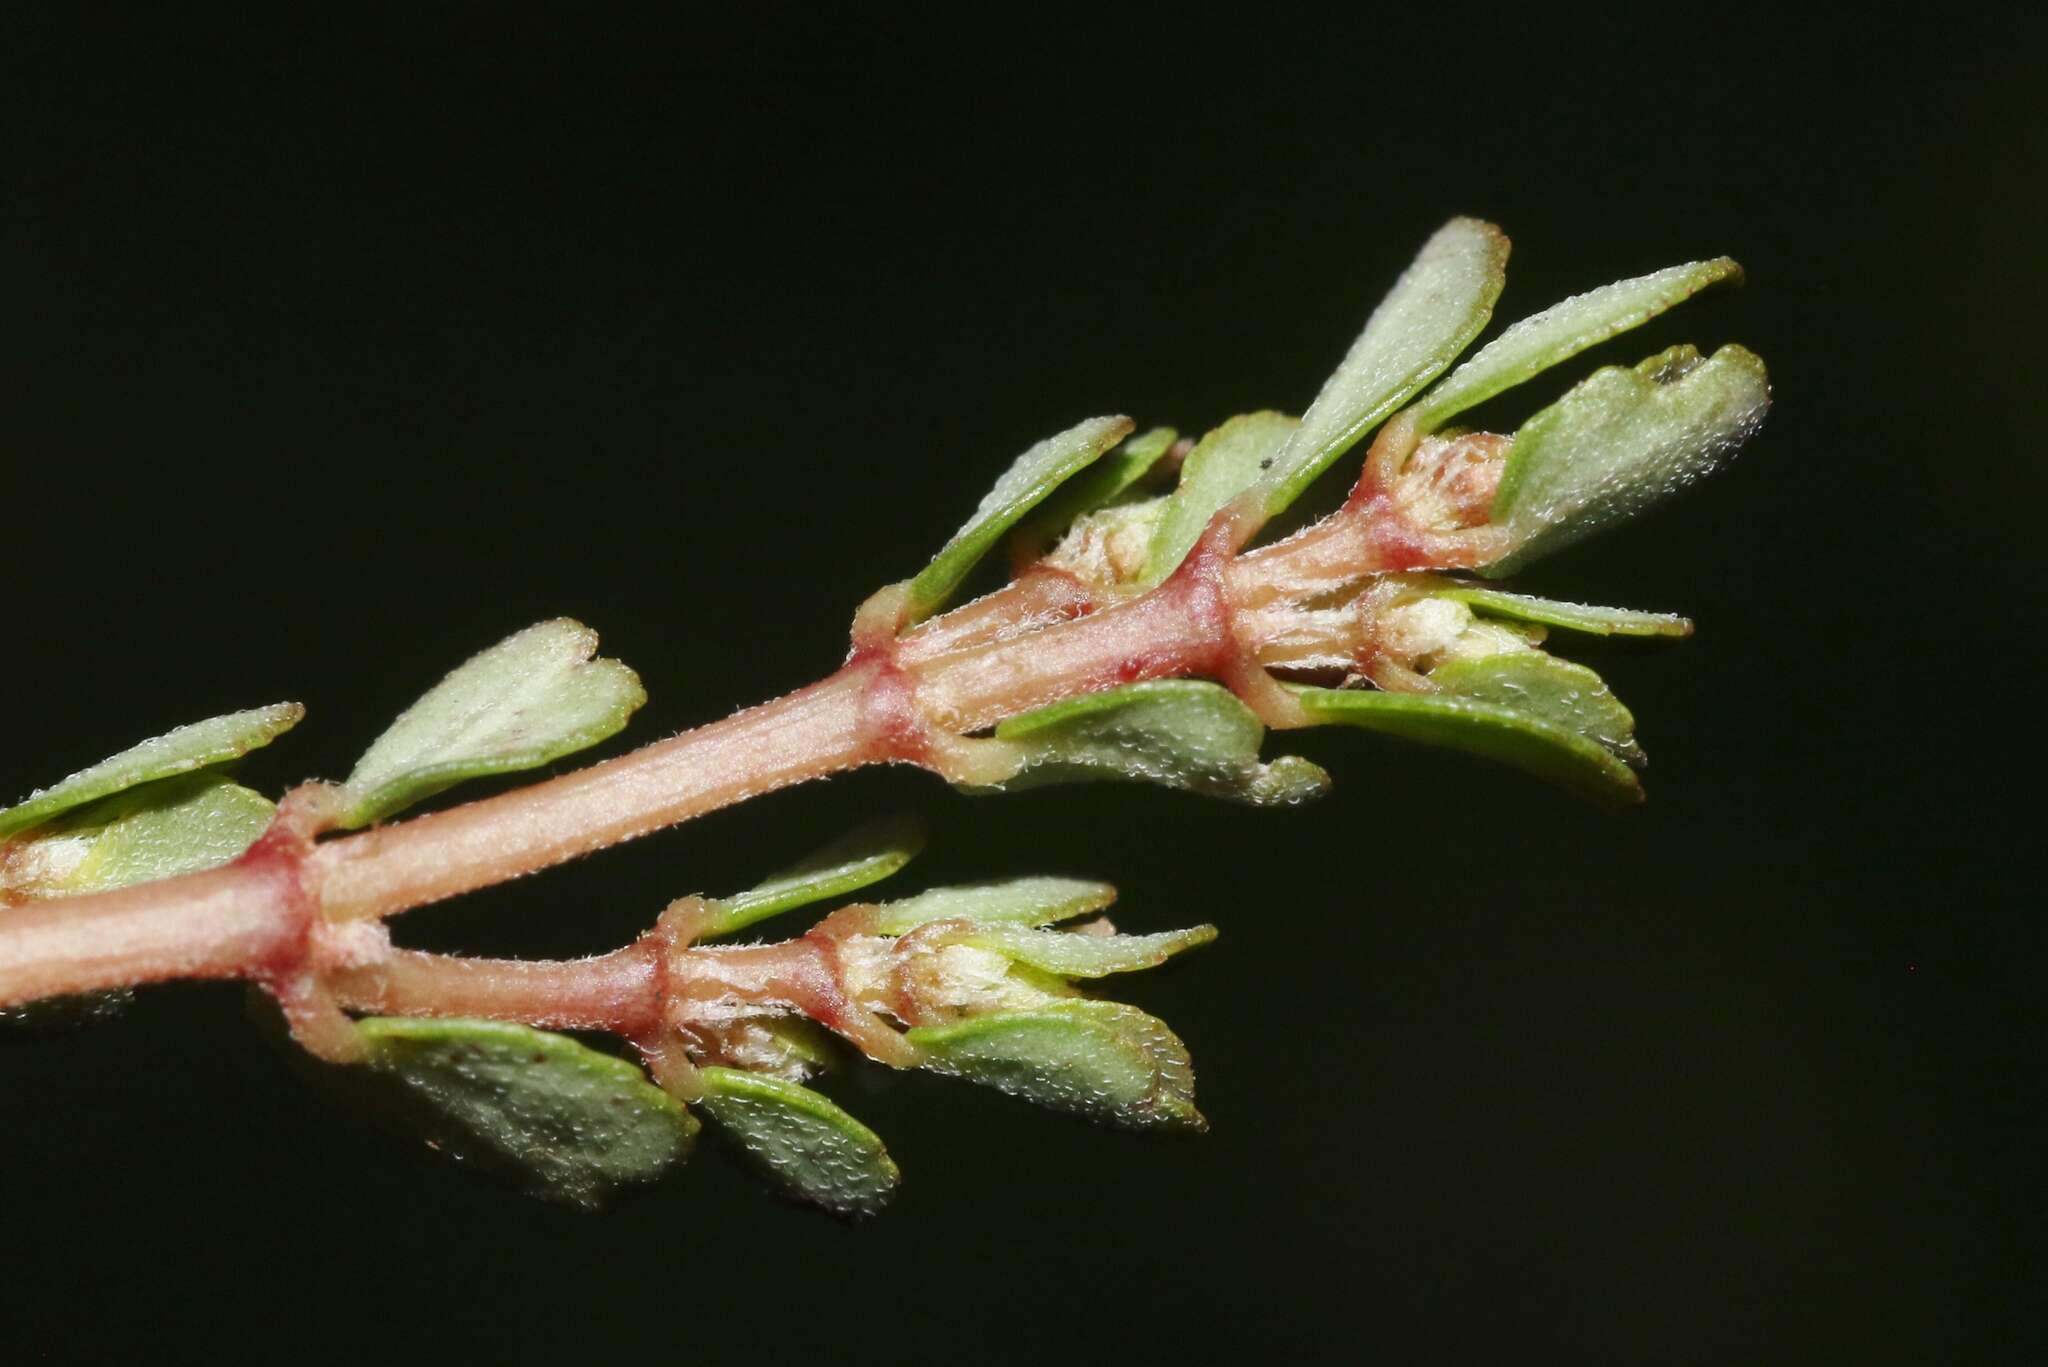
(1621, 441)
(1181, 733)
(1223, 465)
(1579, 617)
(174, 825)
(1546, 749)
(1082, 954)
(567, 1123)
(1435, 309)
(1551, 690)
(1109, 1062)
(864, 856)
(534, 697)
(1564, 330)
(810, 1147)
(198, 746)
(1018, 901)
(1098, 486)
(1030, 478)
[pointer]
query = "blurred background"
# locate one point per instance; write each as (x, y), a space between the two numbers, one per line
(331, 352)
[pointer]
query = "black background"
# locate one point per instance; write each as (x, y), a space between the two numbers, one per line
(330, 353)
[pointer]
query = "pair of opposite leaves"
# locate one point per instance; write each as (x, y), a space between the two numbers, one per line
(1622, 440)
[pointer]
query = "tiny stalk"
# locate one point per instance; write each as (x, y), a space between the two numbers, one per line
(1144, 635)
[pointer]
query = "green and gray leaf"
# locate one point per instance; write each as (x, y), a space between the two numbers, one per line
(854, 861)
(1538, 730)
(1583, 618)
(1097, 486)
(807, 1145)
(1622, 441)
(1440, 303)
(1083, 954)
(172, 826)
(1015, 901)
(1029, 480)
(1103, 1060)
(1223, 465)
(564, 1122)
(534, 697)
(1564, 330)
(1181, 733)
(197, 746)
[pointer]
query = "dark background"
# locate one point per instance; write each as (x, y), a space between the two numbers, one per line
(330, 353)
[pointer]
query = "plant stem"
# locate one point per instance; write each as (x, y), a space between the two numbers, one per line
(906, 701)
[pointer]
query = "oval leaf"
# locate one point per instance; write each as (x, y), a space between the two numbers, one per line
(1030, 478)
(1621, 441)
(1098, 486)
(808, 1146)
(1580, 617)
(861, 857)
(1109, 1062)
(197, 746)
(175, 825)
(1435, 309)
(1019, 901)
(1223, 465)
(1181, 733)
(1564, 330)
(535, 696)
(1550, 690)
(565, 1122)
(1082, 954)
(1529, 743)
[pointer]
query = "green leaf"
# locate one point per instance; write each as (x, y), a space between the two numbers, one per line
(176, 825)
(1082, 954)
(1621, 441)
(1564, 330)
(1579, 617)
(864, 856)
(534, 697)
(1551, 690)
(1109, 1062)
(198, 746)
(810, 1147)
(1223, 465)
(1030, 478)
(1019, 901)
(1553, 752)
(1181, 733)
(567, 1123)
(1098, 486)
(1435, 309)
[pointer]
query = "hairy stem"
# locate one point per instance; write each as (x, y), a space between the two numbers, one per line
(905, 701)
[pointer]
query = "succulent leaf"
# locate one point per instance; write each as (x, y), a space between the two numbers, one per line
(567, 1123)
(807, 1145)
(1103, 1060)
(197, 746)
(1097, 486)
(863, 856)
(1080, 954)
(1583, 618)
(1564, 330)
(1224, 463)
(1435, 309)
(1515, 735)
(1622, 441)
(1015, 901)
(174, 825)
(1181, 733)
(1029, 480)
(533, 697)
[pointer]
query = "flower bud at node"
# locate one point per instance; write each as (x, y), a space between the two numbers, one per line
(1449, 482)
